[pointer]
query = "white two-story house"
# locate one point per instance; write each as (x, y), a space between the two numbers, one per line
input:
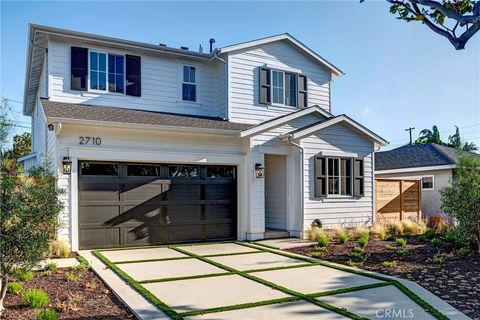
(154, 144)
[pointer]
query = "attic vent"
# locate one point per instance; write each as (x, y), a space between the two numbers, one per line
(184, 48)
(162, 44)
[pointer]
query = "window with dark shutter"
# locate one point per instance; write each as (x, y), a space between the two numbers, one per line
(359, 181)
(320, 177)
(302, 91)
(79, 68)
(133, 75)
(265, 86)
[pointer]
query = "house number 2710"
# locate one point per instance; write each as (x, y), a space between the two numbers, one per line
(90, 140)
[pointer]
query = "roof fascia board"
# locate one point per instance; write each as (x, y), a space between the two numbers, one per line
(415, 169)
(26, 157)
(342, 118)
(285, 36)
(283, 119)
(126, 125)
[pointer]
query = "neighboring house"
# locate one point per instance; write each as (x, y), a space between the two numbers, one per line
(154, 144)
(432, 163)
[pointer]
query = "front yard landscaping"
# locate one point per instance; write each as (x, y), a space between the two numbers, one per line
(445, 268)
(68, 293)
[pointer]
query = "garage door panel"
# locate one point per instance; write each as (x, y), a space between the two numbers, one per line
(97, 214)
(95, 237)
(144, 204)
(144, 235)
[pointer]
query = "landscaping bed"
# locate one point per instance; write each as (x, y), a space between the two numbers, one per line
(456, 279)
(82, 296)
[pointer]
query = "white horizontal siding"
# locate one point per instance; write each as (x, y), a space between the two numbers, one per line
(161, 82)
(39, 134)
(244, 80)
(337, 211)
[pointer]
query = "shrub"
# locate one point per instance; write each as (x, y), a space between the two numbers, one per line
(47, 314)
(430, 233)
(461, 199)
(324, 241)
(59, 249)
(355, 264)
(71, 276)
(422, 226)
(14, 287)
(355, 254)
(50, 266)
(318, 248)
(438, 258)
(409, 227)
(35, 298)
(342, 235)
(358, 249)
(403, 252)
(391, 247)
(396, 228)
(363, 241)
(443, 227)
(390, 238)
(315, 233)
(401, 242)
(422, 238)
(464, 251)
(389, 264)
(436, 242)
(23, 274)
(379, 231)
(360, 232)
(316, 254)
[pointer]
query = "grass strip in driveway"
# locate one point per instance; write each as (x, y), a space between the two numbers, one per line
(151, 260)
(293, 293)
(138, 287)
(415, 298)
(347, 290)
(282, 267)
(240, 306)
(186, 277)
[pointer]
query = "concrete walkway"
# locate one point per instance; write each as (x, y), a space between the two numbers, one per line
(248, 281)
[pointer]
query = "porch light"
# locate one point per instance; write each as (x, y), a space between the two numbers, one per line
(259, 170)
(67, 165)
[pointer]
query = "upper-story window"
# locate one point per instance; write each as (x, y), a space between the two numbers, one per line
(189, 85)
(282, 88)
(100, 71)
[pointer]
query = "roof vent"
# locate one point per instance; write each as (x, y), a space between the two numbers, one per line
(184, 48)
(211, 41)
(162, 44)
(200, 48)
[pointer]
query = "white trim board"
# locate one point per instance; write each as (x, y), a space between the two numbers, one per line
(415, 169)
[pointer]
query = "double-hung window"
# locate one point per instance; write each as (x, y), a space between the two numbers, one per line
(98, 71)
(282, 88)
(116, 73)
(189, 86)
(338, 176)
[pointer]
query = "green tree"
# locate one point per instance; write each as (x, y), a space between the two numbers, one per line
(429, 136)
(456, 20)
(5, 125)
(22, 145)
(462, 199)
(29, 209)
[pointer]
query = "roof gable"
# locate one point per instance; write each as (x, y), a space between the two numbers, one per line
(285, 37)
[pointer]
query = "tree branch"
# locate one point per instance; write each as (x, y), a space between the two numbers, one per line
(463, 19)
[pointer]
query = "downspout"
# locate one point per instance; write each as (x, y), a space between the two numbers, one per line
(302, 174)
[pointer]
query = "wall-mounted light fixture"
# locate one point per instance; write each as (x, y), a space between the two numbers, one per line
(259, 170)
(67, 165)
(51, 127)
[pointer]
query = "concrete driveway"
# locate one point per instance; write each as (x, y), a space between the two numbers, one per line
(244, 281)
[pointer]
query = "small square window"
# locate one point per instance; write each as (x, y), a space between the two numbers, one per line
(427, 183)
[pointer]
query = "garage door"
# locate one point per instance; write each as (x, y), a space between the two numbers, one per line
(128, 204)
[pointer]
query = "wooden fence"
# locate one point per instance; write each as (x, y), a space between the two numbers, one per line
(397, 200)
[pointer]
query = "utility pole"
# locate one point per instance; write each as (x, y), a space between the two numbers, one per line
(410, 131)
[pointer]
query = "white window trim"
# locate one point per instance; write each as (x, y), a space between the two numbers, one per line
(106, 72)
(181, 82)
(339, 195)
(433, 183)
(283, 71)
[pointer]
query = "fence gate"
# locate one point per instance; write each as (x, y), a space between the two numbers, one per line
(397, 199)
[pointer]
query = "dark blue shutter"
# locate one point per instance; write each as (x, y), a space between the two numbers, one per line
(133, 75)
(79, 68)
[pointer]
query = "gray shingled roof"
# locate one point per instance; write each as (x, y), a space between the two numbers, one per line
(426, 155)
(73, 111)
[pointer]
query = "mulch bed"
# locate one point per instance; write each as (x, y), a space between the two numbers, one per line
(456, 280)
(86, 298)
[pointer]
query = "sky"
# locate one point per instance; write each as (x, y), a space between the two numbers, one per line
(397, 74)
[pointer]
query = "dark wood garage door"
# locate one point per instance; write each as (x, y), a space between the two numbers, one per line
(127, 204)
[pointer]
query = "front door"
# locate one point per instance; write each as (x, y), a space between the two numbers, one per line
(275, 192)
